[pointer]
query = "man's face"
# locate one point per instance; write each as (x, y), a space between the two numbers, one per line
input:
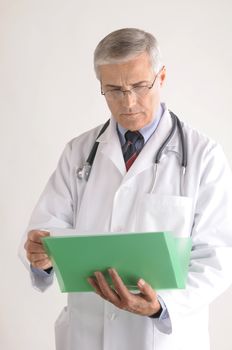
(131, 111)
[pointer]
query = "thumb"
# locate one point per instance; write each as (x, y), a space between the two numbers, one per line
(147, 291)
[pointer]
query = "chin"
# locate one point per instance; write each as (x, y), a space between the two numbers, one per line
(133, 122)
(134, 126)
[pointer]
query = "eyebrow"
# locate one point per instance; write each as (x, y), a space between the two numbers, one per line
(113, 86)
(119, 87)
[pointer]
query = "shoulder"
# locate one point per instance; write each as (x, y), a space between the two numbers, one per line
(204, 151)
(86, 138)
(201, 148)
(78, 149)
(197, 140)
(194, 139)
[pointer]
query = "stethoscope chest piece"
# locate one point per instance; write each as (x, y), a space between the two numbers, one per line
(83, 171)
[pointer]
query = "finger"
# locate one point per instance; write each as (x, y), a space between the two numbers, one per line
(95, 285)
(108, 293)
(36, 257)
(36, 235)
(148, 292)
(32, 247)
(120, 287)
(43, 264)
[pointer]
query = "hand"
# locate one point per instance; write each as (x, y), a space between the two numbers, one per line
(35, 250)
(144, 303)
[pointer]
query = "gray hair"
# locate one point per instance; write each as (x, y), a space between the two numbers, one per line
(124, 44)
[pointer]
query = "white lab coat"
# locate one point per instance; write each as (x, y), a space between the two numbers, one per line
(118, 201)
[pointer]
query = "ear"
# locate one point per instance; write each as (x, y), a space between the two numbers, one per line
(162, 76)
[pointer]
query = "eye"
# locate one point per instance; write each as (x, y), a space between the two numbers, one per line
(138, 88)
(114, 93)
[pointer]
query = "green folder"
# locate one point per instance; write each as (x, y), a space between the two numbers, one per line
(159, 258)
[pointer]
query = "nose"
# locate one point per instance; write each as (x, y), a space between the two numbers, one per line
(129, 99)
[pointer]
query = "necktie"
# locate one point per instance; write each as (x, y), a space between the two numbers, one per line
(134, 144)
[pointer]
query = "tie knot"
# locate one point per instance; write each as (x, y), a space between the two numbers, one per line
(133, 136)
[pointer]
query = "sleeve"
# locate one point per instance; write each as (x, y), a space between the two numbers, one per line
(55, 206)
(54, 209)
(211, 255)
(40, 279)
(163, 313)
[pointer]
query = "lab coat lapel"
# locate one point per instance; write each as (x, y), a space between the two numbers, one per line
(110, 146)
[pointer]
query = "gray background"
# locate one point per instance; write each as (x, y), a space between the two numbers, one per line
(49, 94)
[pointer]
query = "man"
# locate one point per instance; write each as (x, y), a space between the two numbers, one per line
(138, 184)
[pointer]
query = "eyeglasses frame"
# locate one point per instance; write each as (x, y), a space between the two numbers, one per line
(130, 90)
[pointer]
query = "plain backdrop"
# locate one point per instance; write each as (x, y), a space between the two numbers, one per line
(49, 94)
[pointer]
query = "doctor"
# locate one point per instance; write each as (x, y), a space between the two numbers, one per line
(134, 184)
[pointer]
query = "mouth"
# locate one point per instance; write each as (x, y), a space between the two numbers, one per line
(129, 115)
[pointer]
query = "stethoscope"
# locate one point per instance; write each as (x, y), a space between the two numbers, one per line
(83, 171)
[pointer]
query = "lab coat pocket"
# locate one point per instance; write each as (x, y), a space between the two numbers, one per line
(157, 212)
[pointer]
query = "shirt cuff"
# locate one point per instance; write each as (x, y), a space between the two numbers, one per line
(41, 279)
(42, 273)
(162, 314)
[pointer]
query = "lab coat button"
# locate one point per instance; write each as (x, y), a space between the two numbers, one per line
(112, 316)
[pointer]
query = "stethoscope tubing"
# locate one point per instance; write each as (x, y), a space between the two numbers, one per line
(83, 172)
(93, 151)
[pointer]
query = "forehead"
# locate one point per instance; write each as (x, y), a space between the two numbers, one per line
(129, 72)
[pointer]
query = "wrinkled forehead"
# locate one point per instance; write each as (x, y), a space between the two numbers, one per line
(129, 72)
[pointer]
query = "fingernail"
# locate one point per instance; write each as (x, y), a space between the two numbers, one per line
(111, 270)
(141, 282)
(97, 273)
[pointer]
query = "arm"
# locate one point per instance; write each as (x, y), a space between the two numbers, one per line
(41, 271)
(54, 209)
(211, 256)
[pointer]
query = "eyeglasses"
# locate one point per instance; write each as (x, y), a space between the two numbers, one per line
(139, 90)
